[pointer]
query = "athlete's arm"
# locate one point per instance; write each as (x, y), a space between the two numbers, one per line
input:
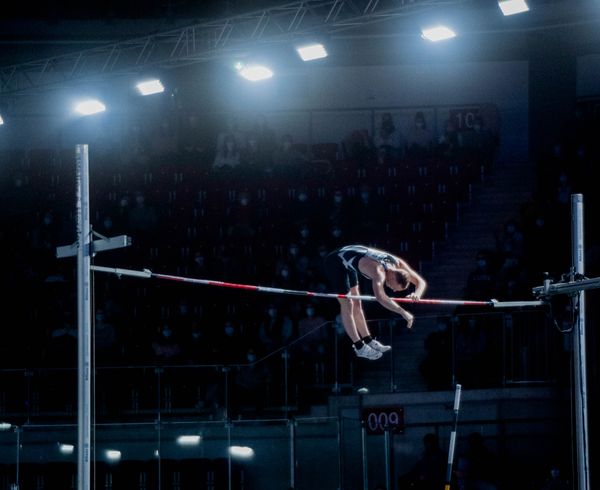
(414, 278)
(378, 280)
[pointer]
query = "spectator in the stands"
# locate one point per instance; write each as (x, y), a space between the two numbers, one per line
(228, 154)
(62, 346)
(304, 208)
(287, 161)
(555, 480)
(470, 349)
(275, 329)
(196, 346)
(337, 236)
(253, 162)
(311, 326)
(484, 141)
(388, 137)
(429, 471)
(338, 210)
(478, 466)
(419, 139)
(360, 147)
(105, 338)
(230, 343)
(368, 213)
(299, 258)
(252, 385)
(165, 345)
(284, 276)
(448, 143)
(510, 241)
(241, 218)
(511, 279)
(143, 217)
(481, 281)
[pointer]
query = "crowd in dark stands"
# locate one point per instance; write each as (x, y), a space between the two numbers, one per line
(535, 242)
(257, 208)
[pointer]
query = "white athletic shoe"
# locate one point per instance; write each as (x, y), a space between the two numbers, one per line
(367, 352)
(378, 346)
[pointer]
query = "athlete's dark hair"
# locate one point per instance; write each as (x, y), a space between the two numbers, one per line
(402, 278)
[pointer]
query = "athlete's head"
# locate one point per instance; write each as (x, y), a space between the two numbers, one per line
(397, 280)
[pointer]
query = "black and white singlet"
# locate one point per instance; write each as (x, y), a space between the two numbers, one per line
(341, 265)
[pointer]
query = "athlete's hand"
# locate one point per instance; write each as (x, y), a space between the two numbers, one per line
(409, 319)
(414, 296)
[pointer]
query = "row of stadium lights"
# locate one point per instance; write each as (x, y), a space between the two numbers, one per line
(310, 52)
(114, 455)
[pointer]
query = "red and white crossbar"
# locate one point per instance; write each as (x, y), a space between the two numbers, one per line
(148, 274)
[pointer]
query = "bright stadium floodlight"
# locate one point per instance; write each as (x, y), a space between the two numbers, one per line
(511, 7)
(150, 87)
(90, 107)
(66, 448)
(438, 33)
(113, 455)
(255, 73)
(1, 121)
(311, 52)
(188, 440)
(241, 452)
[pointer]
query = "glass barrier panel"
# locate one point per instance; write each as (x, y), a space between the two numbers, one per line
(317, 453)
(54, 395)
(260, 454)
(193, 455)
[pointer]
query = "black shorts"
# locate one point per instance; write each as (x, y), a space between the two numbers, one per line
(340, 278)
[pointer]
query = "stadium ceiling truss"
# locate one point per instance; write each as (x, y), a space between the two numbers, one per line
(206, 41)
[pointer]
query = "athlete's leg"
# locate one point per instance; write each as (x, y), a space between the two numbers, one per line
(346, 309)
(359, 319)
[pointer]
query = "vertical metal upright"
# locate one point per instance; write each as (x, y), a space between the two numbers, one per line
(83, 248)
(579, 346)
(84, 238)
(387, 441)
(292, 427)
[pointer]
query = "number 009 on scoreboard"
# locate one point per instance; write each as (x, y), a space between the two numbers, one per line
(379, 419)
